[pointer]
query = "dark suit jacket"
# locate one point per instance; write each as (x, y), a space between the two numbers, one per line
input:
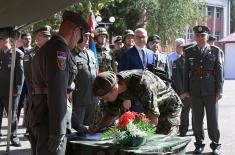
(177, 75)
(5, 72)
(211, 61)
(131, 60)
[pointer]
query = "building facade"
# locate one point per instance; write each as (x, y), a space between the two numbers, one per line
(217, 14)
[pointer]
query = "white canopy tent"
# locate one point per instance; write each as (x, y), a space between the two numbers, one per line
(19, 13)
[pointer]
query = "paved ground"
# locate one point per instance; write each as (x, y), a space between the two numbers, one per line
(227, 125)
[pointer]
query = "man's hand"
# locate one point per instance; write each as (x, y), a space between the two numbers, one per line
(153, 119)
(184, 95)
(55, 143)
(70, 96)
(126, 104)
(218, 96)
(93, 128)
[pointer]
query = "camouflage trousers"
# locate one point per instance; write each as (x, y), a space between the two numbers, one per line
(166, 127)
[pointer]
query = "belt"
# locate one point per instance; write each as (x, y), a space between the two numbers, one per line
(202, 73)
(37, 91)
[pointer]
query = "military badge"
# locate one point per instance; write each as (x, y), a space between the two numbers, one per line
(199, 28)
(61, 60)
(79, 65)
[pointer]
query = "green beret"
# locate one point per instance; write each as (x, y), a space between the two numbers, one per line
(118, 39)
(211, 38)
(46, 30)
(201, 29)
(154, 38)
(76, 19)
(103, 83)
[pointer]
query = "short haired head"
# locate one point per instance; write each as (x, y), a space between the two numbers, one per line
(200, 29)
(179, 41)
(104, 83)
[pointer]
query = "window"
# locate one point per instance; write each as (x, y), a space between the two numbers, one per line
(209, 11)
(218, 13)
(190, 34)
(217, 36)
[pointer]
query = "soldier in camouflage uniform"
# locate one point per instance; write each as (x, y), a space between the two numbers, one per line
(160, 103)
(128, 41)
(104, 53)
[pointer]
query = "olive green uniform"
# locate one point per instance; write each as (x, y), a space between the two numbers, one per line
(154, 96)
(105, 59)
(203, 79)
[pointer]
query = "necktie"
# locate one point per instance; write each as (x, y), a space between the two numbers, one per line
(144, 58)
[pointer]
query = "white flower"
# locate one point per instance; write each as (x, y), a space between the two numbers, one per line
(134, 131)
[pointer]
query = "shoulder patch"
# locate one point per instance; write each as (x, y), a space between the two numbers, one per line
(61, 60)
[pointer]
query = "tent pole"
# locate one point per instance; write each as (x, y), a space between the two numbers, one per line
(11, 94)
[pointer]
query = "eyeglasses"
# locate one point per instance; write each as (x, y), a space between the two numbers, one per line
(140, 37)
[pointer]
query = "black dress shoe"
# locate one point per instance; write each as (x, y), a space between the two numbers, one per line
(217, 151)
(198, 150)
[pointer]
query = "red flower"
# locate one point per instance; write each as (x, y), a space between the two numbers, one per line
(126, 118)
(143, 118)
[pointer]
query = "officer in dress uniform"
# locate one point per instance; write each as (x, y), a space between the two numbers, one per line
(83, 99)
(5, 71)
(42, 35)
(51, 75)
(177, 77)
(160, 103)
(104, 53)
(203, 82)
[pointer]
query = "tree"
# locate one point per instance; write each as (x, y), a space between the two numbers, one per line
(166, 18)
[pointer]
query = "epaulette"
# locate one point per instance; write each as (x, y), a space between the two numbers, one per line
(214, 46)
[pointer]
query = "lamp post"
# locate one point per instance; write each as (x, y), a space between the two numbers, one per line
(106, 25)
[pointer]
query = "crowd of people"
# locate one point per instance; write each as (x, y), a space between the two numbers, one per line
(62, 84)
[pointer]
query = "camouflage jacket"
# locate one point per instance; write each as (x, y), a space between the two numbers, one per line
(150, 91)
(105, 59)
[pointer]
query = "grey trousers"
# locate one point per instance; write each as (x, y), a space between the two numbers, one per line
(4, 102)
(199, 106)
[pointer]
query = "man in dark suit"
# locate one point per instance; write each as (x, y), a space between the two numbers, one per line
(137, 57)
(203, 82)
(51, 72)
(26, 48)
(5, 72)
